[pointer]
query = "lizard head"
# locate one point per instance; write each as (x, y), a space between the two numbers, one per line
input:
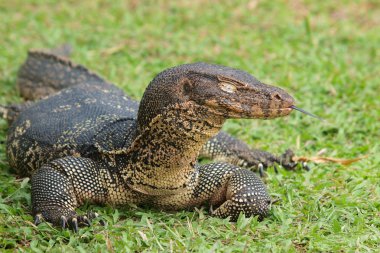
(234, 93)
(220, 90)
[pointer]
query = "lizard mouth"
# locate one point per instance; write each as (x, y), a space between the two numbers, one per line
(305, 112)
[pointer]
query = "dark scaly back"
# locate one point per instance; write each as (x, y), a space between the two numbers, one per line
(78, 120)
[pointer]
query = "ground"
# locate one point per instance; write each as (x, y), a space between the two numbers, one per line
(325, 53)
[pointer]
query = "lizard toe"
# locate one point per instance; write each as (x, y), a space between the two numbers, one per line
(261, 170)
(83, 219)
(305, 166)
(73, 224)
(63, 222)
(37, 219)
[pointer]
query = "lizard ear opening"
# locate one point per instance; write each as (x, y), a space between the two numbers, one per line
(186, 87)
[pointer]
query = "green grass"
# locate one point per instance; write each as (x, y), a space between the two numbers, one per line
(325, 53)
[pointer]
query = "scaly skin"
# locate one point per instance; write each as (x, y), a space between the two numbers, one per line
(89, 143)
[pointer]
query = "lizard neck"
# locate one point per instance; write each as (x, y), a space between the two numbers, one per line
(162, 158)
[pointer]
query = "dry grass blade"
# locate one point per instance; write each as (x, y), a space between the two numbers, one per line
(114, 49)
(320, 159)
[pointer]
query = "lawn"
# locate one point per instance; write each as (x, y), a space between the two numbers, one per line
(325, 53)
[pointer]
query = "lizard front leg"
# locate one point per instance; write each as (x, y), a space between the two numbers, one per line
(62, 185)
(225, 148)
(226, 189)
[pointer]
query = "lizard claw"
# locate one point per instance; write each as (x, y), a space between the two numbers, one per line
(305, 166)
(103, 223)
(73, 222)
(84, 220)
(63, 222)
(211, 209)
(261, 169)
(69, 220)
(37, 219)
(93, 215)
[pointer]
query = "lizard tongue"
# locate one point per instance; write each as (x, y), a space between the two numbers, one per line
(305, 112)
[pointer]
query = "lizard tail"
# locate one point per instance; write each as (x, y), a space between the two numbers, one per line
(45, 72)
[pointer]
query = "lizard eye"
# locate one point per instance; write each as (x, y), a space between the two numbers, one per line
(227, 87)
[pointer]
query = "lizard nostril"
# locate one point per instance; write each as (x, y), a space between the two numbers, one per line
(277, 96)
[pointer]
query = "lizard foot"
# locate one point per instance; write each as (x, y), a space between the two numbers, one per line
(70, 220)
(246, 194)
(285, 161)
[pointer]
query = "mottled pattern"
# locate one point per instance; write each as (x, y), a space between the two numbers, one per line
(89, 142)
(228, 189)
(59, 126)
